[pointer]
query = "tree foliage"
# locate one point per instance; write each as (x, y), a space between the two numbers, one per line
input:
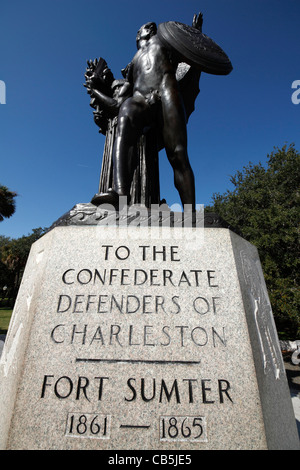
(7, 202)
(265, 207)
(13, 257)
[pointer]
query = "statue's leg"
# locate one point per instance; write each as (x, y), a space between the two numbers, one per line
(128, 131)
(175, 140)
(124, 156)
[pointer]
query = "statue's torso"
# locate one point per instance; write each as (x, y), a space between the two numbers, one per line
(150, 66)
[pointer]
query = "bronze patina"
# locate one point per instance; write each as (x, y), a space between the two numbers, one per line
(148, 110)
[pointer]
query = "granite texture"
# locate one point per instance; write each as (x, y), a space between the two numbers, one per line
(143, 338)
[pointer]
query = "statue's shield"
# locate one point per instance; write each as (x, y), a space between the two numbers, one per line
(195, 48)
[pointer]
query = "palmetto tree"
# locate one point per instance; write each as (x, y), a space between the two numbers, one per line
(7, 202)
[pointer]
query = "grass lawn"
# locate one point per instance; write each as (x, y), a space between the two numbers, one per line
(5, 315)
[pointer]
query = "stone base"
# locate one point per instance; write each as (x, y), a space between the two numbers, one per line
(138, 216)
(143, 338)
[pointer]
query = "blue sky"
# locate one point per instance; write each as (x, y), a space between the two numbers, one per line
(50, 148)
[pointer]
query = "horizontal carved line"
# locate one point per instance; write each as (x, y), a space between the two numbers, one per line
(135, 361)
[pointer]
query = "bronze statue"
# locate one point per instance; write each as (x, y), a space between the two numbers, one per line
(153, 102)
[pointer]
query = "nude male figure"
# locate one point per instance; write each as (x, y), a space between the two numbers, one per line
(154, 98)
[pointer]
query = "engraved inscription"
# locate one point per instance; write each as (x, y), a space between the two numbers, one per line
(183, 428)
(138, 306)
(88, 425)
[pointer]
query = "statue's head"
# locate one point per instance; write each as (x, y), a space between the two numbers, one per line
(145, 32)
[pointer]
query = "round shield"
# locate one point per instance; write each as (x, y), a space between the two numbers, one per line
(195, 48)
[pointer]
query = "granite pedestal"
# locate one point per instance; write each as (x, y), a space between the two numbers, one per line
(146, 338)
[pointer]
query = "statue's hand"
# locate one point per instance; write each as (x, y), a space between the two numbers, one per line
(89, 86)
(198, 21)
(89, 83)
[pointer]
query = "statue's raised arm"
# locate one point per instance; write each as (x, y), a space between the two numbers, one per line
(198, 21)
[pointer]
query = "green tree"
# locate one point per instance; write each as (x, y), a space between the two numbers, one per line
(264, 206)
(13, 258)
(5, 275)
(7, 202)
